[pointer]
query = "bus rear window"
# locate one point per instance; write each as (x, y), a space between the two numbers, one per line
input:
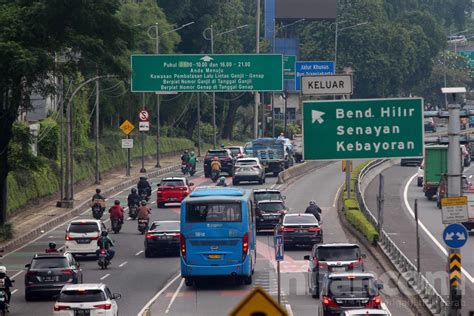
(213, 212)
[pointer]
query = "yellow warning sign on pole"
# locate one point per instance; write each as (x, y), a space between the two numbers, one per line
(127, 127)
(258, 302)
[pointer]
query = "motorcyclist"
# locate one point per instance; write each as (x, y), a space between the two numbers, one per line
(144, 212)
(215, 167)
(314, 209)
(133, 198)
(5, 284)
(144, 186)
(192, 161)
(98, 198)
(52, 248)
(116, 212)
(185, 157)
(104, 242)
(221, 182)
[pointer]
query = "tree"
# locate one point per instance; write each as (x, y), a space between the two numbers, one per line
(34, 34)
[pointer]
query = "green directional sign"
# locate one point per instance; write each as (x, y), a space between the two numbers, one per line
(373, 128)
(219, 73)
(289, 68)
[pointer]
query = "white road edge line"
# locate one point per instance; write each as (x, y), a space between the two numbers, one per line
(174, 296)
(289, 310)
(337, 195)
(122, 264)
(105, 276)
(14, 291)
(385, 308)
(154, 298)
(436, 242)
(138, 253)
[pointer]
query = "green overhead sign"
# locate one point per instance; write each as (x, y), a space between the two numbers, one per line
(289, 68)
(373, 128)
(219, 73)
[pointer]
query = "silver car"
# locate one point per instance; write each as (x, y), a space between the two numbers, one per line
(248, 169)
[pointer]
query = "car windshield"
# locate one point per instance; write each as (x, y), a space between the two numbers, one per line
(296, 220)
(338, 253)
(213, 212)
(246, 163)
(260, 196)
(235, 151)
(350, 287)
(49, 263)
(80, 296)
(83, 228)
(172, 183)
(271, 207)
(165, 226)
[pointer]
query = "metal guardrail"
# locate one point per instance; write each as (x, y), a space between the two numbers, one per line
(427, 293)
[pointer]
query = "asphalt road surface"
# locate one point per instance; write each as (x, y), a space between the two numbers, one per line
(143, 281)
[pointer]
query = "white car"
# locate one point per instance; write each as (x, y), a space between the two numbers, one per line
(420, 174)
(81, 236)
(92, 299)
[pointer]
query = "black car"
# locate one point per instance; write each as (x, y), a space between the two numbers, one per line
(328, 258)
(163, 237)
(299, 229)
(268, 213)
(346, 291)
(49, 272)
(267, 194)
(225, 158)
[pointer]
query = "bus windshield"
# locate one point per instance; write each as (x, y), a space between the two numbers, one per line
(201, 212)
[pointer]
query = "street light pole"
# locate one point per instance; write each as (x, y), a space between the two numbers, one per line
(257, 51)
(337, 37)
(97, 111)
(214, 129)
(157, 47)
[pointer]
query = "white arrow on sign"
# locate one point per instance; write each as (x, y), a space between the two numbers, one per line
(460, 236)
(317, 116)
(449, 236)
(207, 59)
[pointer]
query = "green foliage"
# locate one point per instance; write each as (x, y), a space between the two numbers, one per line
(19, 150)
(360, 222)
(48, 143)
(351, 204)
(206, 134)
(6, 231)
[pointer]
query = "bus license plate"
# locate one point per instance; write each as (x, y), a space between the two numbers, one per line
(214, 256)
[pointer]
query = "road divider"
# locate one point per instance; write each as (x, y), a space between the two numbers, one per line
(300, 169)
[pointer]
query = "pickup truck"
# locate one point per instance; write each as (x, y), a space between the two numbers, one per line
(271, 152)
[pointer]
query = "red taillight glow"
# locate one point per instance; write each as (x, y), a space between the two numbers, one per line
(103, 252)
(327, 301)
(314, 229)
(67, 272)
(358, 263)
(374, 302)
(182, 245)
(321, 265)
(68, 237)
(287, 230)
(245, 244)
(103, 306)
(149, 236)
(58, 308)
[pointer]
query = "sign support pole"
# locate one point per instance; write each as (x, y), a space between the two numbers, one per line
(127, 173)
(454, 282)
(157, 47)
(418, 263)
(257, 50)
(348, 178)
(199, 122)
(97, 113)
(279, 282)
(143, 170)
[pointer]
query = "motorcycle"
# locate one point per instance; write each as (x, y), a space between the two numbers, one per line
(142, 225)
(97, 211)
(133, 211)
(116, 225)
(144, 196)
(215, 175)
(192, 170)
(103, 259)
(184, 167)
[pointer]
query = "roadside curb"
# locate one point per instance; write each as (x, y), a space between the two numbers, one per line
(300, 169)
(69, 214)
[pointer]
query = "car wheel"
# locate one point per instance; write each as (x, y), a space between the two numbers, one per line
(161, 205)
(148, 253)
(419, 182)
(248, 280)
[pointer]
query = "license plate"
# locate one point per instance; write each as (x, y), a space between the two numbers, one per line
(302, 231)
(338, 269)
(173, 199)
(83, 240)
(214, 256)
(49, 278)
(82, 312)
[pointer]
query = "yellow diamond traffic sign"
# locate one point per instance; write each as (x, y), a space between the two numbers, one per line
(127, 127)
(258, 302)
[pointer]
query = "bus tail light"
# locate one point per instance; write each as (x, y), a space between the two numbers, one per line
(245, 245)
(182, 246)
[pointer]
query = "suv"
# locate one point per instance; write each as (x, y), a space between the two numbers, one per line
(225, 158)
(346, 291)
(268, 213)
(49, 272)
(236, 151)
(248, 169)
(82, 235)
(172, 190)
(329, 258)
(86, 299)
(267, 194)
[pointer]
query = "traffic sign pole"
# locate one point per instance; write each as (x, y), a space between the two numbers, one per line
(127, 173)
(455, 281)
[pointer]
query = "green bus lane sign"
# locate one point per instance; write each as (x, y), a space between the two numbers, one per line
(218, 73)
(289, 67)
(372, 128)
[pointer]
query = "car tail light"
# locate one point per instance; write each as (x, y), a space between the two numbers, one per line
(30, 277)
(283, 212)
(328, 302)
(103, 306)
(314, 229)
(150, 236)
(68, 237)
(245, 245)
(182, 245)
(95, 238)
(374, 302)
(287, 230)
(358, 263)
(321, 265)
(67, 272)
(58, 308)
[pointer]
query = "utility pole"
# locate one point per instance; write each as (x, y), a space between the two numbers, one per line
(214, 131)
(257, 51)
(61, 140)
(273, 92)
(97, 111)
(157, 50)
(142, 135)
(199, 122)
(127, 172)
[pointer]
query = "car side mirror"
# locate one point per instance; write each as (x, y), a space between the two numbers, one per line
(27, 265)
(379, 285)
(306, 257)
(117, 296)
(284, 197)
(363, 256)
(12, 280)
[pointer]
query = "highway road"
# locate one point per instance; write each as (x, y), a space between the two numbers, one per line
(156, 281)
(400, 194)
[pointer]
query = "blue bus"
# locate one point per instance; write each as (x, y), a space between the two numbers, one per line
(218, 234)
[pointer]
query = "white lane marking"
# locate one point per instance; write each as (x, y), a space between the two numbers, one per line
(122, 264)
(153, 202)
(154, 298)
(105, 276)
(139, 253)
(337, 195)
(17, 274)
(14, 291)
(385, 308)
(289, 310)
(174, 296)
(273, 186)
(435, 241)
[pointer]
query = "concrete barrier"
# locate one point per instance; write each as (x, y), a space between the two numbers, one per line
(300, 169)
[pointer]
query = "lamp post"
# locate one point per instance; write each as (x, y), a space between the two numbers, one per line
(156, 37)
(211, 36)
(273, 51)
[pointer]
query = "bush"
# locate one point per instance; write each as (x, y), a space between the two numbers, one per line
(351, 204)
(48, 144)
(360, 222)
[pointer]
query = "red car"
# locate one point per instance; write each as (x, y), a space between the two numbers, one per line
(172, 190)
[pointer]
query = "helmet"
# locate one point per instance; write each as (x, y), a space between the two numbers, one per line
(222, 179)
(3, 269)
(215, 158)
(192, 153)
(104, 233)
(117, 202)
(312, 202)
(222, 145)
(143, 202)
(97, 190)
(185, 151)
(134, 190)
(52, 245)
